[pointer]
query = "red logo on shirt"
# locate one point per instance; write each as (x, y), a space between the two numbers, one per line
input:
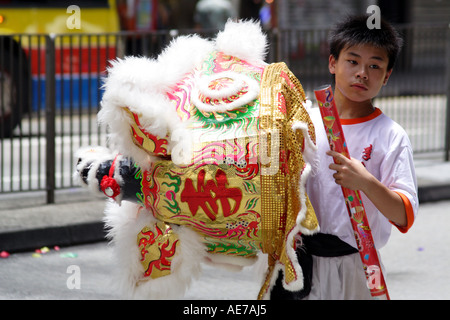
(367, 153)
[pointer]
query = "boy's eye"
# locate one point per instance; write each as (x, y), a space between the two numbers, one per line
(352, 62)
(374, 66)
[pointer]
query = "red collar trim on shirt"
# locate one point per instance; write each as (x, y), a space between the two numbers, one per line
(371, 116)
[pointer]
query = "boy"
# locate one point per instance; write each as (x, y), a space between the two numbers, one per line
(381, 165)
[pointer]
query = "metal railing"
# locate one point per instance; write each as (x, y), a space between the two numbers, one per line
(417, 94)
(48, 110)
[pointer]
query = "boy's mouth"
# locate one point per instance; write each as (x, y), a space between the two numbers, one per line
(359, 86)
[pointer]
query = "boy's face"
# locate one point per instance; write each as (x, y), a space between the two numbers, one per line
(360, 71)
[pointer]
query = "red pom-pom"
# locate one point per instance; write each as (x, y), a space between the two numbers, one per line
(110, 187)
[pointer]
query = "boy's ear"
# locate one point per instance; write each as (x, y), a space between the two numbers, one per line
(332, 64)
(386, 78)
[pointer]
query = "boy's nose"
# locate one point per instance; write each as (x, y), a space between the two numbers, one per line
(362, 73)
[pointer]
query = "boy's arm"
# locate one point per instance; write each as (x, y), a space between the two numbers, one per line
(351, 174)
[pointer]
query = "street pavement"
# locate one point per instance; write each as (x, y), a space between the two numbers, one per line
(51, 276)
(416, 262)
(416, 266)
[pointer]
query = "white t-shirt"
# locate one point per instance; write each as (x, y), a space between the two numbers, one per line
(384, 148)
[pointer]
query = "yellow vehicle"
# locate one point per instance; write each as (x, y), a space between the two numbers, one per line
(80, 54)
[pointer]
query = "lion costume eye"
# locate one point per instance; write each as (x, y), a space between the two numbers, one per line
(224, 91)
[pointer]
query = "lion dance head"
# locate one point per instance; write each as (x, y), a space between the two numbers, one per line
(212, 149)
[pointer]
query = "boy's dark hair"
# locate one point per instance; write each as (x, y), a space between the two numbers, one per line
(354, 31)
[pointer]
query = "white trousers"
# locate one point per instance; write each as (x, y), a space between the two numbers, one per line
(339, 278)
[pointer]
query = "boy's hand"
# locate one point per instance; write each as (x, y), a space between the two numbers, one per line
(350, 173)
